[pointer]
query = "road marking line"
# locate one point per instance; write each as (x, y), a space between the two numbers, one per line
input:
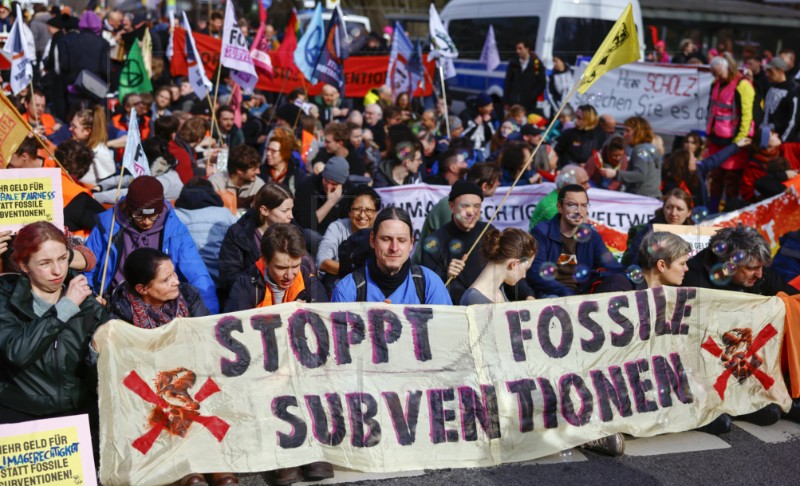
(783, 431)
(673, 443)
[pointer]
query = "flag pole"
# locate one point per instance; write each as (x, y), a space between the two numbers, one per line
(522, 171)
(33, 104)
(213, 106)
(446, 111)
(111, 234)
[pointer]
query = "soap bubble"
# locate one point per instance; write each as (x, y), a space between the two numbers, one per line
(720, 248)
(548, 271)
(581, 273)
(584, 233)
(456, 247)
(653, 248)
(699, 214)
(566, 455)
(431, 244)
(718, 276)
(729, 268)
(568, 177)
(635, 274)
(738, 257)
(607, 258)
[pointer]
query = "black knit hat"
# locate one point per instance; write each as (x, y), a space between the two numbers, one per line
(462, 187)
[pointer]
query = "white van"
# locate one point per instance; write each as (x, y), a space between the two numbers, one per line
(566, 28)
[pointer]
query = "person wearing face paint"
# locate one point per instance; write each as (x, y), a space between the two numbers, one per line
(677, 210)
(47, 319)
(573, 254)
(508, 256)
(144, 219)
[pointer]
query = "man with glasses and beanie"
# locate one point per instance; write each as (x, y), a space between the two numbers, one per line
(143, 219)
(571, 253)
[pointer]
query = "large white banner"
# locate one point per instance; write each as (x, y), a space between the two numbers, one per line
(377, 387)
(673, 99)
(617, 210)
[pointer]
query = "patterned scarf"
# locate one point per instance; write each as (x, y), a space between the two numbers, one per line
(148, 317)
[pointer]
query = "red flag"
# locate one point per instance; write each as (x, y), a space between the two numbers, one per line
(236, 105)
(286, 50)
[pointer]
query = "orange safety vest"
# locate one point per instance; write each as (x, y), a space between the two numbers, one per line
(144, 127)
(69, 189)
(46, 120)
(298, 285)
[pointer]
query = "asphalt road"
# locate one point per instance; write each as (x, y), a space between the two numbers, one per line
(758, 455)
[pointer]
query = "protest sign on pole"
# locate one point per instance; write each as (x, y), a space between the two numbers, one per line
(386, 388)
(673, 99)
(19, 46)
(235, 54)
(47, 451)
(28, 196)
(134, 158)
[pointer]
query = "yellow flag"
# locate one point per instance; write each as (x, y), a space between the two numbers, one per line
(620, 47)
(13, 129)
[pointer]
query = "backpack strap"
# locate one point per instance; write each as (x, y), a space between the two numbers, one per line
(360, 279)
(419, 281)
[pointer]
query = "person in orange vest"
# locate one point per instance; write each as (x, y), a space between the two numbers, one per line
(44, 123)
(121, 121)
(79, 206)
(281, 275)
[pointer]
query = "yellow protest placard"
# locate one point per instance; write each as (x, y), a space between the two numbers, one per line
(30, 195)
(51, 451)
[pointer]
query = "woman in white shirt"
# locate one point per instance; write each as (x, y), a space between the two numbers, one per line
(89, 127)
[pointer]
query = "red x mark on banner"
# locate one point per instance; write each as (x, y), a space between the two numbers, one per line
(761, 339)
(159, 421)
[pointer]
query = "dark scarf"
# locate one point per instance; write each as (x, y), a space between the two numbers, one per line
(763, 156)
(388, 283)
(148, 317)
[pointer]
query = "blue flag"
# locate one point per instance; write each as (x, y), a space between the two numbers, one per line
(310, 45)
(330, 66)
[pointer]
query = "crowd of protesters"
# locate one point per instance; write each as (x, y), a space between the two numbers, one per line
(283, 208)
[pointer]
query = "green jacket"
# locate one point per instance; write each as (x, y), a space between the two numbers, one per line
(43, 367)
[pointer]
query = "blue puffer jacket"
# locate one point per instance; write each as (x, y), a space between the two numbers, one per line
(175, 242)
(592, 253)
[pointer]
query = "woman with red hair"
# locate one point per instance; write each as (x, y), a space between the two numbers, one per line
(47, 318)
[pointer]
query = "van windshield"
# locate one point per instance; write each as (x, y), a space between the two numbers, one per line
(579, 37)
(470, 34)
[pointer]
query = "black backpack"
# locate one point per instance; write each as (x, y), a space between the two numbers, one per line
(360, 279)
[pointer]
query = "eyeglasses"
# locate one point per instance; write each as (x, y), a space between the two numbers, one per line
(145, 217)
(573, 206)
(367, 211)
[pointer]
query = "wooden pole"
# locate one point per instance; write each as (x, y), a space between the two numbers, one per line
(33, 104)
(213, 105)
(111, 234)
(522, 171)
(446, 111)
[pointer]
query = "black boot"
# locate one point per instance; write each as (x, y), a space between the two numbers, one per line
(718, 426)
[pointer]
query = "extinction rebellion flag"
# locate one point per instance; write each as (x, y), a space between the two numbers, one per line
(330, 66)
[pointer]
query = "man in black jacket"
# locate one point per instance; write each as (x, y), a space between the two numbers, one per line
(736, 259)
(525, 79)
(281, 275)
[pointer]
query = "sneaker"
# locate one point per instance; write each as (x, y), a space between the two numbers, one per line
(612, 445)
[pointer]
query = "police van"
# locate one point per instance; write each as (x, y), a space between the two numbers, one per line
(568, 29)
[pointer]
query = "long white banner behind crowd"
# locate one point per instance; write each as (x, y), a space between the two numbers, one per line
(673, 99)
(617, 210)
(378, 387)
